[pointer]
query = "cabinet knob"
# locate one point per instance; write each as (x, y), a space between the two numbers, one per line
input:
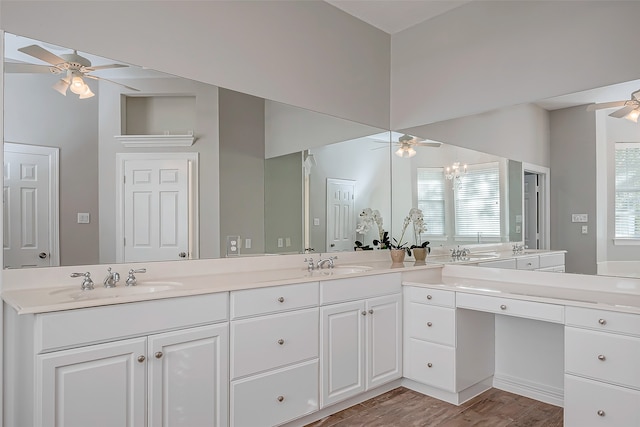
(364, 313)
(141, 359)
(503, 307)
(158, 354)
(281, 341)
(281, 299)
(280, 398)
(602, 321)
(429, 324)
(601, 357)
(429, 364)
(429, 297)
(370, 311)
(600, 412)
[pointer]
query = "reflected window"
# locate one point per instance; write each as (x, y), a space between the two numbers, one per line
(477, 202)
(627, 198)
(430, 189)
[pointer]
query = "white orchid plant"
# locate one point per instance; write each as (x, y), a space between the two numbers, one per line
(416, 218)
(369, 217)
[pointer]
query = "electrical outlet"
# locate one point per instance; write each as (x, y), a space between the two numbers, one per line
(233, 245)
(316, 221)
(585, 229)
(579, 218)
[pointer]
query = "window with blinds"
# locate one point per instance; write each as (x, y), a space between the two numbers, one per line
(627, 199)
(430, 189)
(477, 201)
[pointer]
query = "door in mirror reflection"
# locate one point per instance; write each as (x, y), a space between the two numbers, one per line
(30, 206)
(341, 228)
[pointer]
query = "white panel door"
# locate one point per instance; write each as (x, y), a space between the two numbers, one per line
(384, 340)
(341, 229)
(99, 386)
(343, 347)
(156, 209)
(531, 211)
(188, 377)
(28, 207)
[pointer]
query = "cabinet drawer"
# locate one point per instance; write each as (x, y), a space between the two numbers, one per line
(551, 260)
(276, 397)
(430, 296)
(430, 323)
(512, 307)
(252, 302)
(262, 343)
(528, 262)
(356, 288)
(602, 320)
(73, 328)
(603, 356)
(430, 364)
(590, 403)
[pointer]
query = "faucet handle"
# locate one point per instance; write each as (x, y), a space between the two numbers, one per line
(132, 280)
(87, 283)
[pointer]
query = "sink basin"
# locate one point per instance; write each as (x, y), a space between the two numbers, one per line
(341, 269)
(75, 294)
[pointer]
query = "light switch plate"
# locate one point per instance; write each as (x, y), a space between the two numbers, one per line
(83, 218)
(585, 229)
(579, 218)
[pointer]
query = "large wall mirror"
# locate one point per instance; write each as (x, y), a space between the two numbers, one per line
(155, 167)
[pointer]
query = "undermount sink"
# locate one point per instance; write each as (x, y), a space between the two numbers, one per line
(148, 287)
(341, 269)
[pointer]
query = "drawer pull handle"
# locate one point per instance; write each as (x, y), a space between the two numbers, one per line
(429, 364)
(370, 311)
(364, 313)
(281, 341)
(602, 321)
(141, 359)
(429, 324)
(158, 355)
(503, 307)
(281, 299)
(429, 297)
(601, 357)
(280, 398)
(600, 412)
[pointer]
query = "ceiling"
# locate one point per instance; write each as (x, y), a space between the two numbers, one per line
(393, 16)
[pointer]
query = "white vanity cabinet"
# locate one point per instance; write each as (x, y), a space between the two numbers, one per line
(553, 261)
(602, 374)
(448, 351)
(361, 335)
(77, 368)
(274, 354)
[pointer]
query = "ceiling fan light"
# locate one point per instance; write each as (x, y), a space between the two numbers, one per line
(61, 86)
(87, 93)
(633, 115)
(405, 152)
(77, 85)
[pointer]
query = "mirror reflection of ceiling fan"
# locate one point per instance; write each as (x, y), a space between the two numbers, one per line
(407, 144)
(630, 109)
(71, 65)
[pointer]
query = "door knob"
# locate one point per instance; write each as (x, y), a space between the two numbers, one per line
(42, 255)
(182, 254)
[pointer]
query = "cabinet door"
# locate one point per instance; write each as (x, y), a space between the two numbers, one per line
(384, 340)
(342, 362)
(188, 377)
(98, 385)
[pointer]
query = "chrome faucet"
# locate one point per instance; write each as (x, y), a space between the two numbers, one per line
(310, 264)
(460, 253)
(87, 283)
(329, 261)
(518, 249)
(111, 279)
(132, 280)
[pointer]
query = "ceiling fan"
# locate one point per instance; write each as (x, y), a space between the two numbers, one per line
(630, 109)
(407, 143)
(73, 66)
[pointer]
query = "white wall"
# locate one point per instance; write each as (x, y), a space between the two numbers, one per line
(305, 53)
(492, 54)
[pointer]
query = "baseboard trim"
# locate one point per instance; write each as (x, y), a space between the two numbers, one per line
(542, 392)
(447, 396)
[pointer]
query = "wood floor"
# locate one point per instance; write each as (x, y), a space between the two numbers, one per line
(405, 408)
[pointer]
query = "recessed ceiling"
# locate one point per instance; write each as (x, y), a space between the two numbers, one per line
(392, 16)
